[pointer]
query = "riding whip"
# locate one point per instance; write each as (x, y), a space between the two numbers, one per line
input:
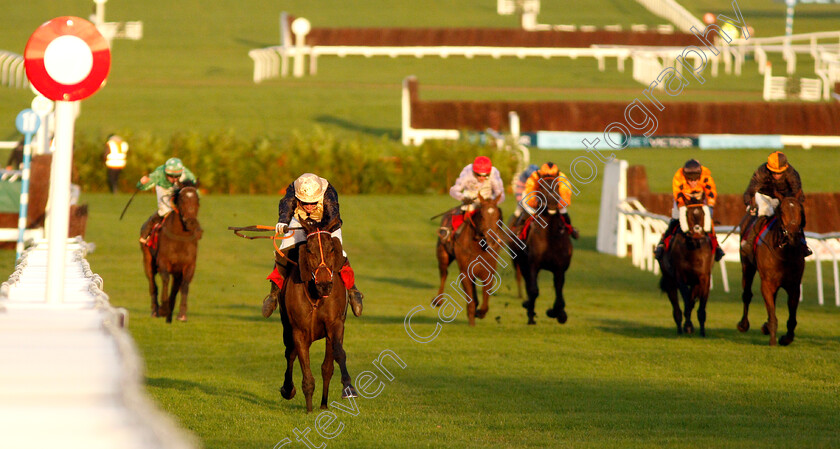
(128, 203)
(740, 224)
(257, 228)
(450, 210)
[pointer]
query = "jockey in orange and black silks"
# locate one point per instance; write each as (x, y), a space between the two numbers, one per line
(551, 172)
(693, 182)
(313, 198)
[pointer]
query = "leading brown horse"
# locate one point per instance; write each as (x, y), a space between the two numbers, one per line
(314, 306)
(548, 246)
(475, 247)
(175, 254)
(687, 267)
(780, 261)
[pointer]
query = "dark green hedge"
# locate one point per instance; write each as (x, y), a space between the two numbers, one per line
(225, 163)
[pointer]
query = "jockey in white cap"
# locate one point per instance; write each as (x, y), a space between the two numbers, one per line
(312, 198)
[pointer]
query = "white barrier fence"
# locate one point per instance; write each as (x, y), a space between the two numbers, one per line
(71, 376)
(12, 70)
(643, 230)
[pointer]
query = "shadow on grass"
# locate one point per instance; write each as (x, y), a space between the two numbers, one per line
(181, 385)
(732, 334)
(350, 126)
(402, 282)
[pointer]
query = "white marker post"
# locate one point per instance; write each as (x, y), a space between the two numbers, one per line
(66, 60)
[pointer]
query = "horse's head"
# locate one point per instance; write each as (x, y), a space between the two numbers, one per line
(487, 215)
(789, 213)
(548, 188)
(319, 259)
(187, 203)
(696, 221)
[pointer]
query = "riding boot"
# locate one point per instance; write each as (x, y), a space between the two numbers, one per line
(277, 278)
(154, 221)
(660, 247)
(805, 250)
(573, 232)
(353, 293)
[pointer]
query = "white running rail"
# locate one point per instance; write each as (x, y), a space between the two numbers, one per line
(71, 376)
(673, 12)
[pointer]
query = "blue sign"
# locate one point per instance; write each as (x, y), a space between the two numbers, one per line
(27, 122)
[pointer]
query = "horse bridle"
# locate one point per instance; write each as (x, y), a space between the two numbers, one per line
(323, 263)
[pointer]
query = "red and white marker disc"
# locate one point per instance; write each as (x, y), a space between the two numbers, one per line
(67, 59)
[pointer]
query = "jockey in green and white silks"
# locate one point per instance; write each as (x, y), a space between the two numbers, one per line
(164, 179)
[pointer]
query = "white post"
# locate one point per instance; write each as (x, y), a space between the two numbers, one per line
(406, 112)
(99, 18)
(300, 27)
(58, 220)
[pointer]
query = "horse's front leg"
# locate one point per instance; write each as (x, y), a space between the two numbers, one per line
(185, 292)
(468, 288)
(150, 269)
(768, 290)
(288, 389)
(302, 343)
(747, 276)
(793, 304)
(163, 310)
(688, 300)
(702, 295)
(532, 289)
(347, 390)
(487, 285)
(444, 260)
(327, 369)
(177, 282)
(558, 311)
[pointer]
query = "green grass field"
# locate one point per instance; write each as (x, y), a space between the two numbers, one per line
(615, 376)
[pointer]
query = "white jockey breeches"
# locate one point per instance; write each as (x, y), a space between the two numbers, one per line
(164, 199)
(298, 236)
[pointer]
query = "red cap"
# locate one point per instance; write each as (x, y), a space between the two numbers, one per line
(482, 165)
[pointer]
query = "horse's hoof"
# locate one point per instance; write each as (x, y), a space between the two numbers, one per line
(764, 329)
(784, 340)
(689, 329)
(437, 301)
(560, 316)
(182, 318)
(349, 392)
(702, 332)
(525, 304)
(286, 393)
(531, 320)
(480, 313)
(744, 326)
(155, 314)
(679, 330)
